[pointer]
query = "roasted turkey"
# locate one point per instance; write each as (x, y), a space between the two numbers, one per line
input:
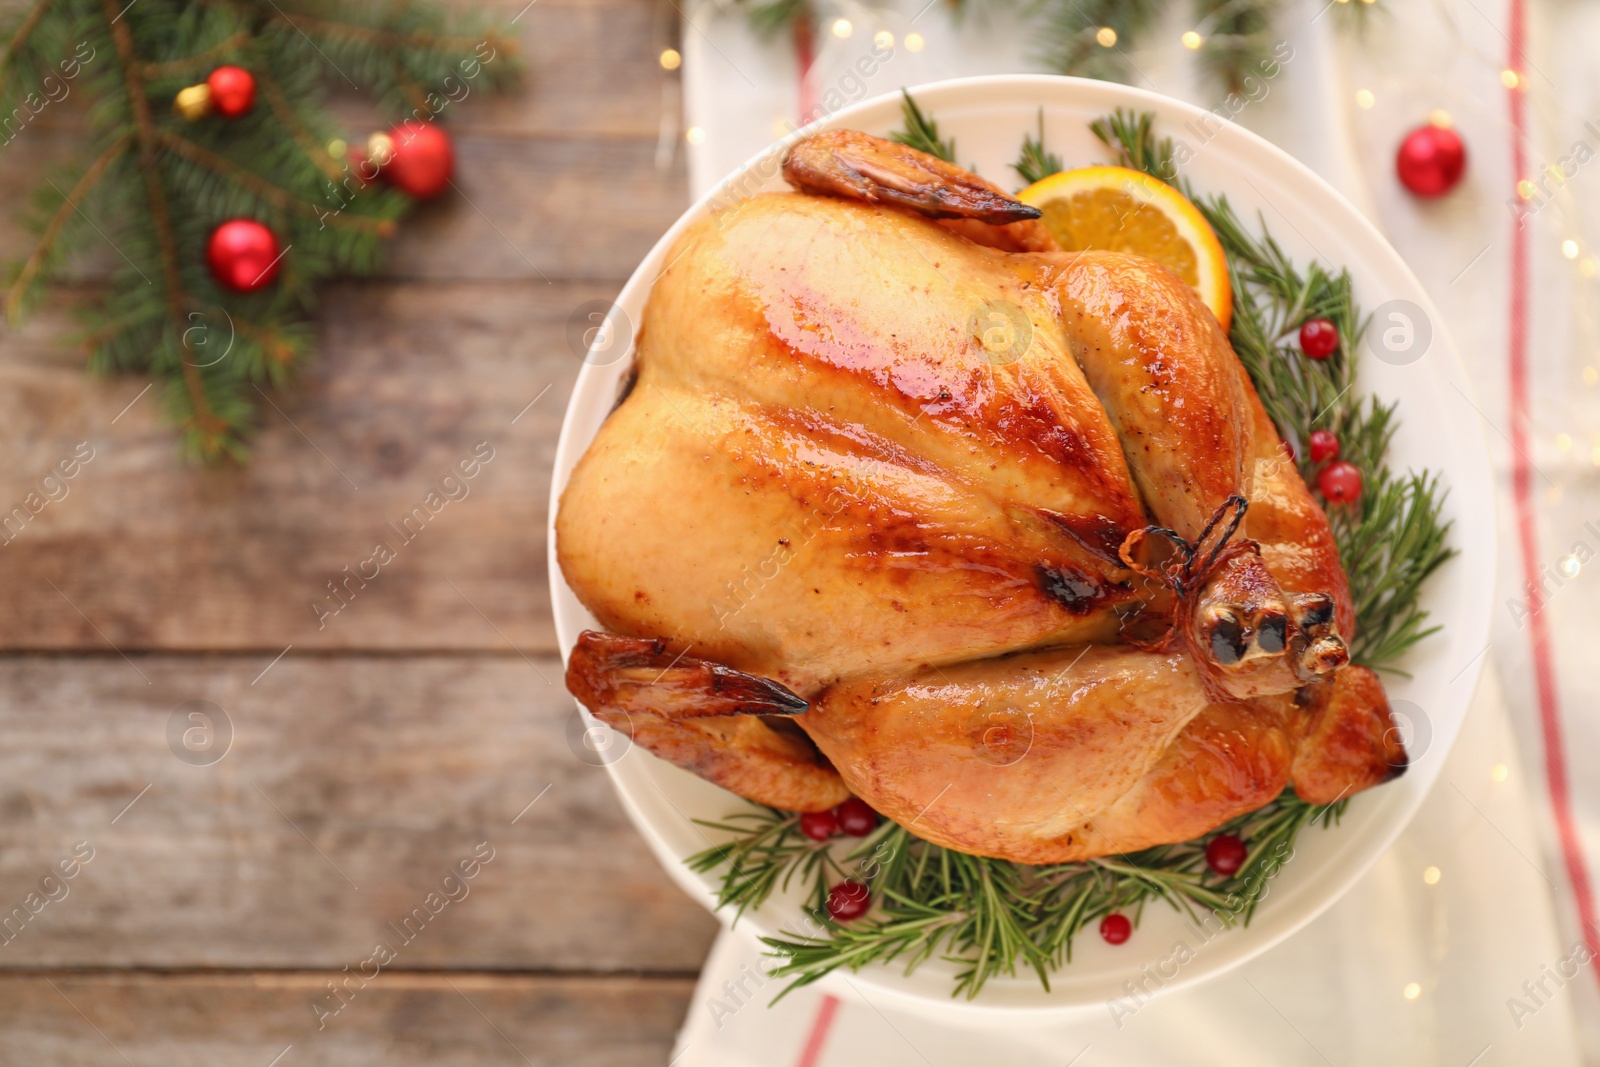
(902, 501)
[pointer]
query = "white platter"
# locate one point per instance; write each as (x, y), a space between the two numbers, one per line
(988, 118)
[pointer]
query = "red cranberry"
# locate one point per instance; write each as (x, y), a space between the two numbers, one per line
(1319, 338)
(1340, 482)
(819, 825)
(848, 900)
(856, 817)
(1324, 445)
(1225, 854)
(1116, 928)
(1288, 450)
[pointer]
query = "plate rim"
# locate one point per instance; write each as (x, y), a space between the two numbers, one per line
(886, 983)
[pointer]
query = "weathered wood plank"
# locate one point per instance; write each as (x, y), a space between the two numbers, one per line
(399, 1019)
(353, 786)
(157, 554)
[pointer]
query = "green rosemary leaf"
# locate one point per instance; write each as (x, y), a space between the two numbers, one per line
(922, 132)
(1035, 163)
(1131, 136)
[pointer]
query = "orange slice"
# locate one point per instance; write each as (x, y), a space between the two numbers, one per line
(1125, 210)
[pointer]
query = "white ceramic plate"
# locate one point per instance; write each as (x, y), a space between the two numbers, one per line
(988, 118)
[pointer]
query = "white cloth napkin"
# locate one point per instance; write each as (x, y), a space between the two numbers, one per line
(1515, 900)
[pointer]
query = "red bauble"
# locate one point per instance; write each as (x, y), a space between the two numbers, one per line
(1340, 482)
(1324, 445)
(1319, 338)
(1225, 854)
(1431, 160)
(418, 159)
(819, 825)
(848, 900)
(1116, 928)
(856, 817)
(243, 255)
(233, 91)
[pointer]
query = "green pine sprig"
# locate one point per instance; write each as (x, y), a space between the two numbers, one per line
(152, 186)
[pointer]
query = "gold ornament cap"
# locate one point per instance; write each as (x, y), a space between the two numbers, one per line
(194, 102)
(380, 149)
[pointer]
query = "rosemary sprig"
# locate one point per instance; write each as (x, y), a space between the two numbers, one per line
(1035, 163)
(994, 916)
(922, 132)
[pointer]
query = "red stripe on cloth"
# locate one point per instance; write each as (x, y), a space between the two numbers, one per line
(804, 54)
(811, 1055)
(1555, 758)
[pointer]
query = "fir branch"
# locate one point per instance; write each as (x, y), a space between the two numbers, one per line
(46, 244)
(23, 32)
(1034, 163)
(1070, 35)
(281, 109)
(772, 17)
(921, 132)
(201, 62)
(1236, 38)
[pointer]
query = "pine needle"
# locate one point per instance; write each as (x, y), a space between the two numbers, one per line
(921, 132)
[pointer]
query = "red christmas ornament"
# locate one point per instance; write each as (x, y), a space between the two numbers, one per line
(243, 255)
(1340, 482)
(1324, 445)
(1319, 338)
(856, 817)
(1431, 160)
(1225, 854)
(1116, 928)
(416, 157)
(848, 900)
(819, 825)
(233, 91)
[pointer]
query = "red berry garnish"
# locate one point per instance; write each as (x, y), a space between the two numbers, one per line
(1116, 928)
(848, 900)
(856, 817)
(819, 825)
(1340, 482)
(1225, 854)
(1288, 450)
(1324, 445)
(1319, 338)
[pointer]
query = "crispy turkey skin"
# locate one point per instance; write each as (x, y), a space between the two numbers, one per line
(1004, 530)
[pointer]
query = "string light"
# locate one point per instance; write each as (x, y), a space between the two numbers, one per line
(1564, 442)
(694, 135)
(883, 39)
(1570, 566)
(913, 42)
(1439, 117)
(1591, 375)
(338, 147)
(1364, 98)
(1499, 772)
(1569, 248)
(842, 28)
(1586, 267)
(1192, 40)
(1526, 189)
(1509, 79)
(1106, 36)
(1431, 875)
(1412, 990)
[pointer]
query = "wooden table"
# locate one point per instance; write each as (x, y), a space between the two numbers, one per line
(424, 722)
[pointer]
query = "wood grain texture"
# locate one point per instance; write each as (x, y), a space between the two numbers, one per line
(352, 787)
(400, 1020)
(145, 552)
